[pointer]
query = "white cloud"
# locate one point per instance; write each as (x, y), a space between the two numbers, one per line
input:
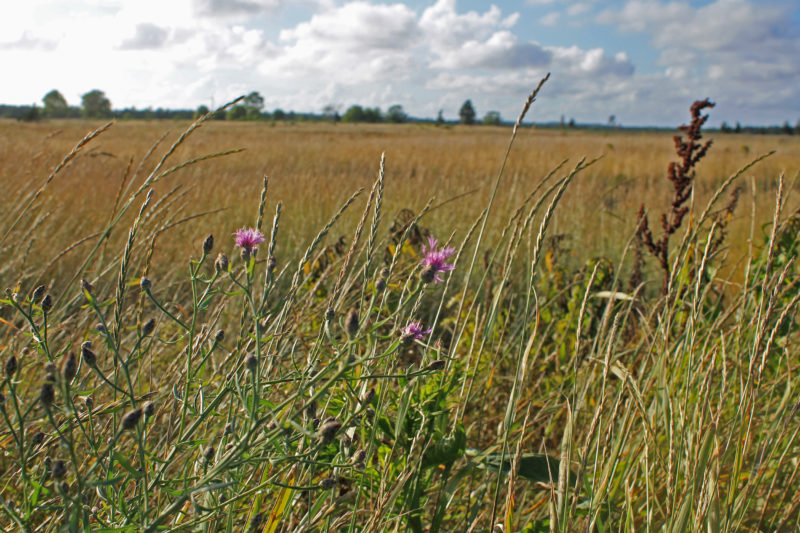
(147, 36)
(551, 19)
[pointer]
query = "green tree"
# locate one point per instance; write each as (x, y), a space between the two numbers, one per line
(55, 105)
(95, 104)
(467, 113)
(254, 101)
(237, 112)
(354, 113)
(492, 118)
(396, 114)
(440, 118)
(279, 114)
(201, 111)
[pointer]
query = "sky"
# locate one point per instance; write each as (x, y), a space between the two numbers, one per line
(643, 61)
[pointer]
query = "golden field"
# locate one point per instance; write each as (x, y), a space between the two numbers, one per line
(313, 168)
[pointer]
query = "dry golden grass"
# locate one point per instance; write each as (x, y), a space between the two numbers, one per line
(313, 168)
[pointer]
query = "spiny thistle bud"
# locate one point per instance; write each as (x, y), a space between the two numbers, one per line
(145, 283)
(351, 323)
(59, 469)
(380, 285)
(100, 328)
(208, 245)
(88, 355)
(11, 366)
(70, 367)
(428, 274)
(47, 394)
(208, 454)
(329, 314)
(220, 335)
(327, 484)
(329, 430)
(245, 254)
(148, 327)
(221, 263)
(37, 438)
(251, 362)
(149, 409)
(47, 303)
(86, 286)
(38, 292)
(438, 364)
(89, 402)
(131, 418)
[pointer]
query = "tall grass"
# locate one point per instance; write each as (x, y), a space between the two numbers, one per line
(294, 387)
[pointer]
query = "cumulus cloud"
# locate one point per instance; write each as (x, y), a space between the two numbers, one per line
(225, 8)
(147, 36)
(29, 41)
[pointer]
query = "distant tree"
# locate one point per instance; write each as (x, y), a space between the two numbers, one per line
(95, 104)
(201, 111)
(612, 120)
(356, 113)
(571, 123)
(787, 128)
(738, 128)
(492, 118)
(331, 112)
(237, 112)
(55, 105)
(30, 115)
(278, 114)
(724, 128)
(467, 113)
(797, 127)
(396, 115)
(253, 101)
(440, 118)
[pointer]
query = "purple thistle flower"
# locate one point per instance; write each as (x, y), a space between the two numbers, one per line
(434, 260)
(248, 238)
(413, 331)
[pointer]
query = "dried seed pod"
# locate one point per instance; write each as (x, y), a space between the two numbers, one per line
(131, 418)
(208, 244)
(70, 368)
(47, 394)
(148, 327)
(59, 469)
(149, 409)
(11, 366)
(329, 429)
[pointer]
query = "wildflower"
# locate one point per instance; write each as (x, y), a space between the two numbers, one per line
(248, 239)
(434, 261)
(413, 331)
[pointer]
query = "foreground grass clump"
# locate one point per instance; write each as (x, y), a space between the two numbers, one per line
(402, 382)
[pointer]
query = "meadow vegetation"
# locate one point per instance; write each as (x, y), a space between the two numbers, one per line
(469, 332)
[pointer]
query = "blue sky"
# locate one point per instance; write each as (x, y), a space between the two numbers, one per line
(643, 61)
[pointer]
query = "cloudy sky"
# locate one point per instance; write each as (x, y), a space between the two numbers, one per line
(644, 61)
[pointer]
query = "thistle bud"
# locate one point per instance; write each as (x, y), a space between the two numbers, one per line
(221, 264)
(50, 369)
(329, 314)
(208, 244)
(88, 355)
(438, 364)
(11, 366)
(351, 323)
(89, 403)
(251, 362)
(208, 454)
(428, 274)
(47, 303)
(70, 367)
(37, 438)
(255, 522)
(327, 484)
(245, 254)
(64, 487)
(145, 283)
(367, 399)
(59, 469)
(380, 285)
(131, 418)
(148, 327)
(329, 429)
(149, 409)
(47, 394)
(86, 286)
(220, 335)
(38, 292)
(100, 328)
